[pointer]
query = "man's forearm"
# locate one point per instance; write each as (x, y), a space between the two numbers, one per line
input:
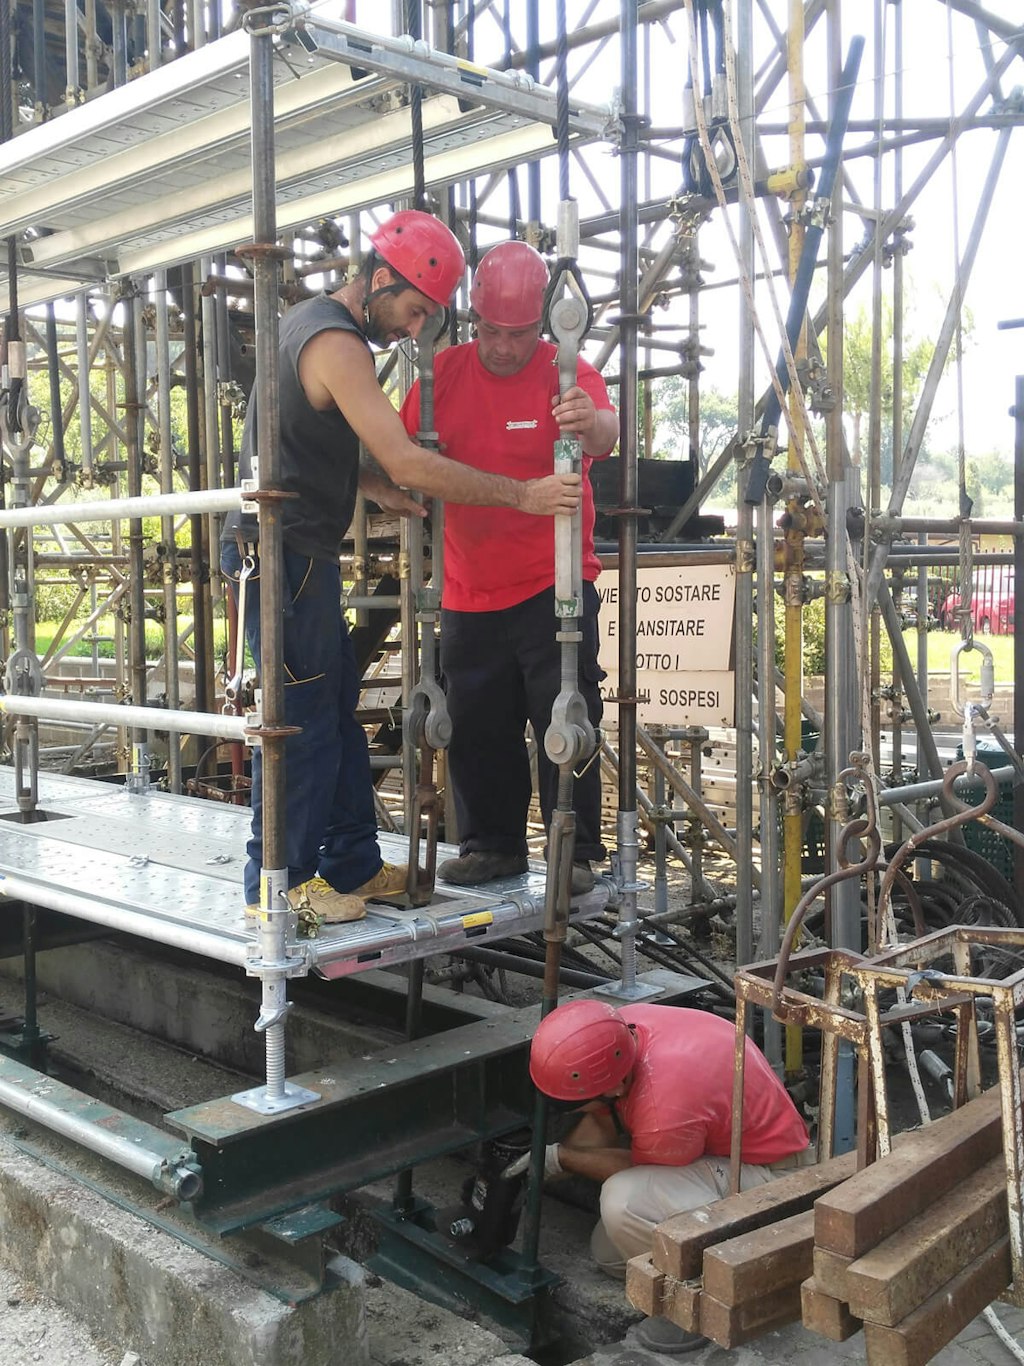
(596, 1163)
(604, 435)
(458, 483)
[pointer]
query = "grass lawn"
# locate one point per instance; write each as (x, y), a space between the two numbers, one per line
(46, 630)
(940, 649)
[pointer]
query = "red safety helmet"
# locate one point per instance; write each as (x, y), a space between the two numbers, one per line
(581, 1050)
(423, 251)
(509, 285)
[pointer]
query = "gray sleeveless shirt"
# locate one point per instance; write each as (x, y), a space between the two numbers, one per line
(319, 450)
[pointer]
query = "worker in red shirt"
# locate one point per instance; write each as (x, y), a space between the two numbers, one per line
(497, 408)
(655, 1085)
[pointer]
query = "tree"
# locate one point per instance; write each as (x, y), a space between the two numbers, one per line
(859, 345)
(719, 418)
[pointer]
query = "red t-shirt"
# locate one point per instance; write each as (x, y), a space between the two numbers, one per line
(496, 557)
(679, 1106)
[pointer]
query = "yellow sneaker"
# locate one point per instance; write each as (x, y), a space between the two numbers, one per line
(389, 880)
(331, 906)
(318, 896)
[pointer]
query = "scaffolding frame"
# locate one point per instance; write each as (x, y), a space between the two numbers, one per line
(93, 204)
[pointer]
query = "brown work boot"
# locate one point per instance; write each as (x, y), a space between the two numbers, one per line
(389, 880)
(333, 908)
(482, 865)
(583, 879)
(661, 1335)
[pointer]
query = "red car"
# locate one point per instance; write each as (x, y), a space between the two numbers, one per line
(991, 603)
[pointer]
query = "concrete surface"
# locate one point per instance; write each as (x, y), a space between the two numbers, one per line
(144, 1288)
(35, 1329)
(977, 1345)
(406, 1331)
(132, 1289)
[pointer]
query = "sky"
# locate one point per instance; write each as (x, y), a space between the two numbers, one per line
(995, 292)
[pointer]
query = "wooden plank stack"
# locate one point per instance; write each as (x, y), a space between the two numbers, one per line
(910, 1248)
(733, 1270)
(916, 1245)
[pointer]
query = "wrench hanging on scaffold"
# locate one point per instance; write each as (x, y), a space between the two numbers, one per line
(427, 723)
(23, 675)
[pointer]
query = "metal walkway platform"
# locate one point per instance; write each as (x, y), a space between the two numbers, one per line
(169, 869)
(158, 171)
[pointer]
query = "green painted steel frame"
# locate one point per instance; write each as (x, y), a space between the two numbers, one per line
(375, 1117)
(414, 1255)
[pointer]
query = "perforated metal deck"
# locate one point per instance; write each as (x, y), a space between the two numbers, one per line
(158, 170)
(169, 869)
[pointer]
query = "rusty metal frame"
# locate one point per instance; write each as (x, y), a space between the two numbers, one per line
(758, 985)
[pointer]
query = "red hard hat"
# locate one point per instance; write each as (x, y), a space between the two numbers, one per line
(581, 1050)
(423, 251)
(509, 284)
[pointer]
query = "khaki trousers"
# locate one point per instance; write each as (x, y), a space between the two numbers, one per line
(635, 1201)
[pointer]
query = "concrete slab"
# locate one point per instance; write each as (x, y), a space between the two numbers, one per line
(794, 1346)
(406, 1331)
(61, 1235)
(34, 1329)
(153, 1293)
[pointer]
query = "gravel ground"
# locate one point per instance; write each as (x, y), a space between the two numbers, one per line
(34, 1329)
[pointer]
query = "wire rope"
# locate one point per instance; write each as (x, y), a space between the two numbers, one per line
(746, 282)
(414, 26)
(562, 99)
(966, 566)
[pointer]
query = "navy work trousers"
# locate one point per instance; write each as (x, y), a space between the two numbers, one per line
(330, 822)
(502, 669)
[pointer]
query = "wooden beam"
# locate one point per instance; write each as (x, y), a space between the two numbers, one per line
(679, 1243)
(762, 1261)
(645, 1285)
(936, 1322)
(825, 1315)
(882, 1198)
(890, 1281)
(732, 1324)
(830, 1270)
(655, 1294)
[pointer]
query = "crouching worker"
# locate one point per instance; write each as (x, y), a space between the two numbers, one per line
(655, 1087)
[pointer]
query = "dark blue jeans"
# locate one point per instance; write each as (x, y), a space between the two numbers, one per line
(330, 822)
(502, 669)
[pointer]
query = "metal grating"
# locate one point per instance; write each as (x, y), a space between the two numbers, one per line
(169, 869)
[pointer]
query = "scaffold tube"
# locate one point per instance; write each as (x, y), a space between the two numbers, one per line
(115, 714)
(174, 933)
(180, 1180)
(113, 509)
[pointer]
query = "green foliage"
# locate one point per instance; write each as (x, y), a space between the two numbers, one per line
(46, 630)
(859, 349)
(671, 438)
(812, 621)
(54, 600)
(812, 638)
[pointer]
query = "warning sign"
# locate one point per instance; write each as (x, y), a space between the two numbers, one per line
(684, 618)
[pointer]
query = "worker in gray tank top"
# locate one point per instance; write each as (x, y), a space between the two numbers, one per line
(330, 401)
